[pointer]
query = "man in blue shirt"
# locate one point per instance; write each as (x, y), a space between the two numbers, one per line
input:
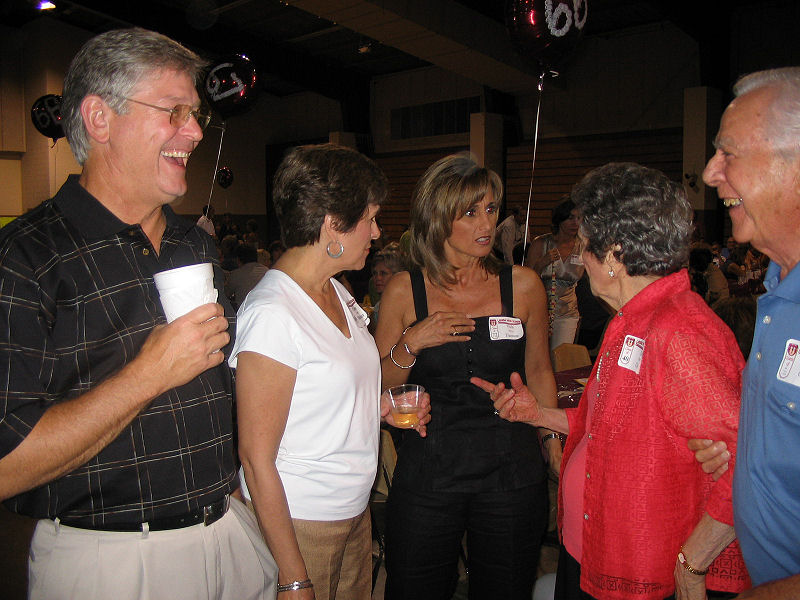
(756, 170)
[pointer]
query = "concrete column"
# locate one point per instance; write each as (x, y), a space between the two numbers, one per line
(702, 108)
(343, 138)
(486, 140)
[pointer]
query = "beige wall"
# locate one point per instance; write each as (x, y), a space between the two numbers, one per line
(605, 87)
(411, 88)
(271, 120)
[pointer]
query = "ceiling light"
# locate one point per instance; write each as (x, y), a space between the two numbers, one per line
(45, 5)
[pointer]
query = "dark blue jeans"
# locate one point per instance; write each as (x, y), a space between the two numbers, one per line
(424, 531)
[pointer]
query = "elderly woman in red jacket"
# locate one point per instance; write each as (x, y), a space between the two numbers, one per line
(638, 516)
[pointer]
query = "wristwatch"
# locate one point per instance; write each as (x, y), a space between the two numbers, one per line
(687, 566)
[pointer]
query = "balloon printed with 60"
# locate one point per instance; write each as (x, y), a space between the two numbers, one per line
(46, 116)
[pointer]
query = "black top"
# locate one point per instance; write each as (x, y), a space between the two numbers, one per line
(468, 448)
(78, 301)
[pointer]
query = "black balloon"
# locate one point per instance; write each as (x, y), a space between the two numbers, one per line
(545, 31)
(225, 177)
(46, 116)
(231, 85)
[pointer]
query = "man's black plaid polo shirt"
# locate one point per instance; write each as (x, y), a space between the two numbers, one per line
(77, 302)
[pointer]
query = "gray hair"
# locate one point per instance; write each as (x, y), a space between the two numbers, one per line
(638, 209)
(782, 126)
(110, 65)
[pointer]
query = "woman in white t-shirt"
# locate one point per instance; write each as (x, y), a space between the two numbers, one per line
(308, 379)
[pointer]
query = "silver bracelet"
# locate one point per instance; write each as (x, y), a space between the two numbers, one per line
(551, 436)
(295, 585)
(410, 353)
(397, 364)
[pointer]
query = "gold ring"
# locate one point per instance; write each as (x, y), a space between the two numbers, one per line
(455, 331)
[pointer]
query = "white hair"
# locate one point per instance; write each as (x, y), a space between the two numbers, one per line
(782, 125)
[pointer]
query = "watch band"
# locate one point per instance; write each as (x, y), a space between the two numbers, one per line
(687, 566)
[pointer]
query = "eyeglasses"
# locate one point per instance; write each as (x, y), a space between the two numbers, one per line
(180, 113)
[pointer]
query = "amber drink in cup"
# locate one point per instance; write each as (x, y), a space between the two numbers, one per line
(405, 404)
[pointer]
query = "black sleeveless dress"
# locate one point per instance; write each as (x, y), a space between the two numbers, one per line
(468, 448)
(474, 473)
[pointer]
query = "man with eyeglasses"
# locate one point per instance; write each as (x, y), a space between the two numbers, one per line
(116, 430)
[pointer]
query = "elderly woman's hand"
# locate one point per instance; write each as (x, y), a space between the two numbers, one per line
(424, 412)
(712, 456)
(437, 329)
(689, 586)
(514, 404)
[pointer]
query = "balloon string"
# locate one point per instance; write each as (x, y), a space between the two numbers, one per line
(533, 164)
(216, 166)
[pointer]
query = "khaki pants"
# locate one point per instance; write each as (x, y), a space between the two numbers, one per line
(227, 560)
(338, 556)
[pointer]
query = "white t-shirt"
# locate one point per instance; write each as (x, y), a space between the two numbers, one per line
(328, 456)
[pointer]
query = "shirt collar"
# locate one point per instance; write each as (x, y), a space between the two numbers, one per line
(788, 288)
(93, 220)
(657, 291)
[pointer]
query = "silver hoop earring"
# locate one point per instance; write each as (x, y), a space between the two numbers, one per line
(611, 272)
(334, 254)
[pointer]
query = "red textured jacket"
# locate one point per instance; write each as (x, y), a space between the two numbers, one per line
(644, 492)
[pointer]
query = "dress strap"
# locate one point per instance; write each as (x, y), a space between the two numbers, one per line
(420, 297)
(507, 291)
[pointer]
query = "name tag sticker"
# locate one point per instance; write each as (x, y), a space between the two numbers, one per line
(789, 371)
(359, 314)
(631, 355)
(505, 328)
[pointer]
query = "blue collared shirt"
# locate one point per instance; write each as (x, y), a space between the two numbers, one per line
(766, 487)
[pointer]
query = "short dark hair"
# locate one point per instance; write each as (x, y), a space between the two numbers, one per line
(326, 179)
(246, 254)
(638, 209)
(561, 212)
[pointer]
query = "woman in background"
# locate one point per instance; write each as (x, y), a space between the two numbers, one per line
(557, 258)
(386, 263)
(460, 312)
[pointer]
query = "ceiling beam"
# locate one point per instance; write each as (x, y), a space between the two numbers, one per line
(444, 33)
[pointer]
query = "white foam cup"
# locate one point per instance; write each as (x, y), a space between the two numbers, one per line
(185, 288)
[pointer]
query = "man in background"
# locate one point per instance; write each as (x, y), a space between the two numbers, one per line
(510, 234)
(245, 277)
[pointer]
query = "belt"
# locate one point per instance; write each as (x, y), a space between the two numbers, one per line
(206, 515)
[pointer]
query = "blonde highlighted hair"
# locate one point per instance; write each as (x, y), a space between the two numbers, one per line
(445, 191)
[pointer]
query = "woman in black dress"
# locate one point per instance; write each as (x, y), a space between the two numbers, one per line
(459, 313)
